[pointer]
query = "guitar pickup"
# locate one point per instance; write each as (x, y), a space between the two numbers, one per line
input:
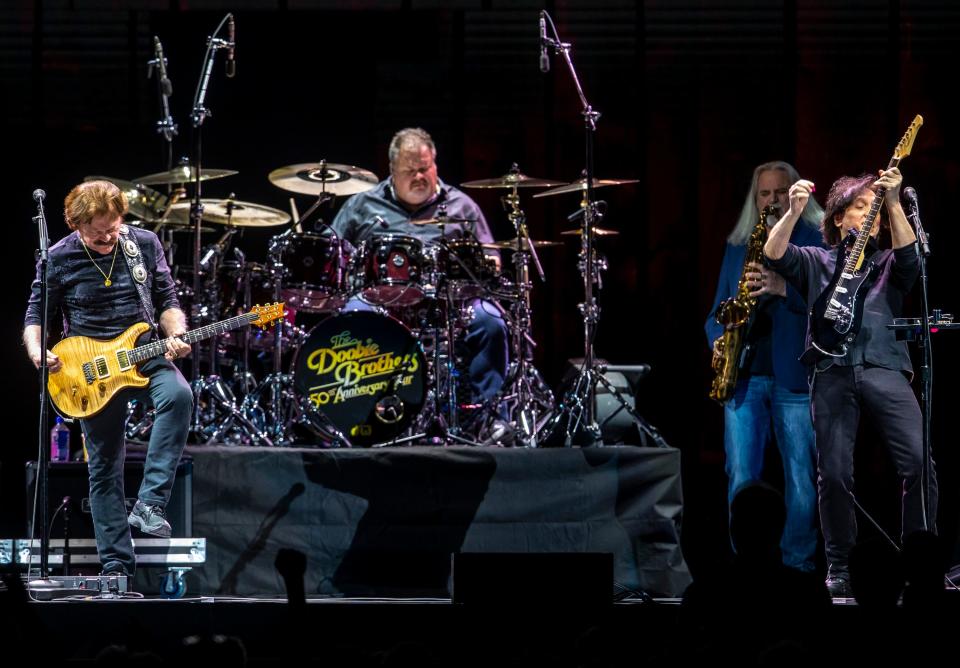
(100, 364)
(842, 290)
(88, 373)
(123, 360)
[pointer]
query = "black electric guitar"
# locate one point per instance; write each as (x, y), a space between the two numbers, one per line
(838, 312)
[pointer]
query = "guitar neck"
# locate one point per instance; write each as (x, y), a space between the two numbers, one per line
(863, 236)
(157, 348)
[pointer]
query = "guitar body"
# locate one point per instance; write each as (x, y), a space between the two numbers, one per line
(837, 314)
(93, 372)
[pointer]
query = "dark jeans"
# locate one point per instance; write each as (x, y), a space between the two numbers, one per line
(838, 396)
(169, 393)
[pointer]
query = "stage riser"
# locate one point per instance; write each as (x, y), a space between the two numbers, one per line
(386, 522)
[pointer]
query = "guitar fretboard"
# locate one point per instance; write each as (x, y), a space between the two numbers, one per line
(157, 348)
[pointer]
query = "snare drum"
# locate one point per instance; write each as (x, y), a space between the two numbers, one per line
(468, 271)
(313, 271)
(391, 268)
(365, 372)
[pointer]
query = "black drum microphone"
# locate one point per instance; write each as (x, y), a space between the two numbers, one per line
(165, 86)
(231, 45)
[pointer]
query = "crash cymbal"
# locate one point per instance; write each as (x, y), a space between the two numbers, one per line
(313, 178)
(581, 185)
(511, 244)
(145, 203)
(599, 231)
(155, 226)
(442, 220)
(183, 174)
(512, 179)
(242, 214)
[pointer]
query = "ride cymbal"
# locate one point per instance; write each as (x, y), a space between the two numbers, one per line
(314, 178)
(230, 212)
(599, 231)
(145, 203)
(183, 174)
(512, 179)
(511, 244)
(581, 185)
(442, 220)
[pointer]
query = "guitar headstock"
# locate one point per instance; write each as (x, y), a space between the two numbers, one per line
(906, 142)
(267, 314)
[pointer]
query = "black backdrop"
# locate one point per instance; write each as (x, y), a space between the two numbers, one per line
(693, 95)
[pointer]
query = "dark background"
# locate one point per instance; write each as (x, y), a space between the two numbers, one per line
(693, 96)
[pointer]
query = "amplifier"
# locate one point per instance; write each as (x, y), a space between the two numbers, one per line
(72, 479)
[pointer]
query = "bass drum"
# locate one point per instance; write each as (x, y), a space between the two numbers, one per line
(365, 372)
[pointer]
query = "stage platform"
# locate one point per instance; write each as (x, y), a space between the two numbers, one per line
(386, 522)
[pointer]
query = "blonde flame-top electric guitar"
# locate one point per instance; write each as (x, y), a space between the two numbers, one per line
(95, 370)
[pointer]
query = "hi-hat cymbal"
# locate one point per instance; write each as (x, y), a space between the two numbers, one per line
(314, 178)
(511, 244)
(512, 179)
(599, 231)
(240, 214)
(183, 174)
(581, 185)
(145, 203)
(442, 220)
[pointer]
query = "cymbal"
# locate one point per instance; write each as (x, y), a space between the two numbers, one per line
(599, 231)
(145, 203)
(581, 184)
(314, 178)
(243, 214)
(512, 180)
(511, 244)
(183, 174)
(168, 226)
(442, 220)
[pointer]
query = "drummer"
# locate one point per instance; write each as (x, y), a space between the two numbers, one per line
(415, 192)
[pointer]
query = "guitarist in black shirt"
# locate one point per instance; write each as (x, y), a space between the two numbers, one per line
(871, 373)
(93, 282)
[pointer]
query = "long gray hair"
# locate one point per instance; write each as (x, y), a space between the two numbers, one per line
(812, 212)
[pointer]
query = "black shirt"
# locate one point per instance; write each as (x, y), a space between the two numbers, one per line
(810, 270)
(89, 307)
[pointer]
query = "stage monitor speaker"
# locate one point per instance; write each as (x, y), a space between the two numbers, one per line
(72, 479)
(538, 580)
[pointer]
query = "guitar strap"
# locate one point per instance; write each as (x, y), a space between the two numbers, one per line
(138, 271)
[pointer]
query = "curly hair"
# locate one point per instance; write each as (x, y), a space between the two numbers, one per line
(842, 194)
(91, 199)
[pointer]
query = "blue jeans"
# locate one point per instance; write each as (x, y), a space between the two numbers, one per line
(758, 404)
(485, 342)
(170, 394)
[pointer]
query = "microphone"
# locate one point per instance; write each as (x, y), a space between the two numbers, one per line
(231, 45)
(39, 195)
(544, 58)
(910, 195)
(165, 86)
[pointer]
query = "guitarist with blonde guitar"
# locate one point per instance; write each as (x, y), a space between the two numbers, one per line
(856, 289)
(93, 281)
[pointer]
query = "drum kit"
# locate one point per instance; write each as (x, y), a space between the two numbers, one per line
(330, 374)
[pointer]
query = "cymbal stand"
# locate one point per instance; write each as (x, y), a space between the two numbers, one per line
(532, 401)
(198, 115)
(579, 404)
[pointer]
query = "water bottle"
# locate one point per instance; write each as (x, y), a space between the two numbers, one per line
(60, 441)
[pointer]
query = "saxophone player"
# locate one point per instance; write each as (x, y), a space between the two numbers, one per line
(769, 398)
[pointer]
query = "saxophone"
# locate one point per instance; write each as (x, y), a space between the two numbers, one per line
(735, 315)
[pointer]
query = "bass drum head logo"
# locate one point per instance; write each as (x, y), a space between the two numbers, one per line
(365, 372)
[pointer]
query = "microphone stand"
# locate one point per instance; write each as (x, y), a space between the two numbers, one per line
(167, 128)
(43, 582)
(581, 401)
(198, 116)
(926, 368)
